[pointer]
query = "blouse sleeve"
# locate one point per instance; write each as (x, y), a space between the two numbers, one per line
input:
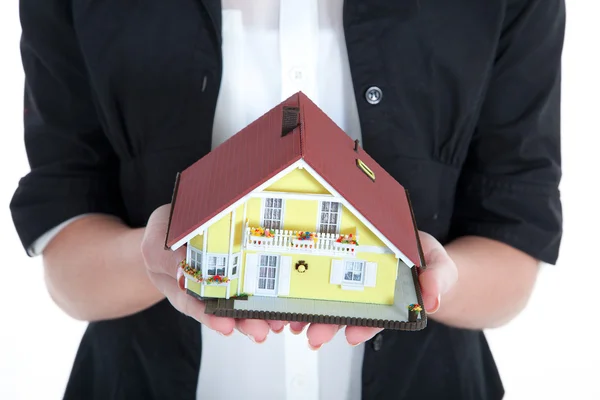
(74, 169)
(508, 189)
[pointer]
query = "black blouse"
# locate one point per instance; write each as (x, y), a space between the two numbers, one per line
(120, 96)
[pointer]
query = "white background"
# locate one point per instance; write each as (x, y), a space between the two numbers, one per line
(537, 360)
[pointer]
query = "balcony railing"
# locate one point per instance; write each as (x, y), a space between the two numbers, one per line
(288, 241)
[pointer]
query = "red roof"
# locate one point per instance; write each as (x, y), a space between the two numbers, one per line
(230, 172)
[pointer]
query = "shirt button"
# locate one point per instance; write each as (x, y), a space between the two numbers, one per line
(373, 95)
(378, 342)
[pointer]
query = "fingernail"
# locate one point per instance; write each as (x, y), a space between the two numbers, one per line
(255, 341)
(437, 306)
(225, 334)
(353, 344)
(313, 348)
(295, 332)
(278, 331)
(180, 281)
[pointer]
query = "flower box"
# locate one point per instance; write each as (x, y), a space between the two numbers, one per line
(189, 272)
(261, 240)
(304, 240)
(344, 247)
(303, 243)
(192, 277)
(346, 243)
(261, 236)
(216, 280)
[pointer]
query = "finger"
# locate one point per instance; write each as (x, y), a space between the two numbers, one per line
(190, 306)
(255, 329)
(297, 327)
(429, 292)
(319, 334)
(277, 326)
(439, 276)
(156, 258)
(356, 335)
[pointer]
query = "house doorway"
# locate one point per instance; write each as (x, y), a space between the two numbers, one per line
(268, 274)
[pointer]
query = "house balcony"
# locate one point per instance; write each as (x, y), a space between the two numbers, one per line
(286, 241)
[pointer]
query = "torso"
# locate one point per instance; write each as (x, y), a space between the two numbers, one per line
(270, 51)
(155, 68)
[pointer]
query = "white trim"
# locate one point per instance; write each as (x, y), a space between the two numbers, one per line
(238, 203)
(373, 249)
(204, 258)
(336, 274)
(241, 253)
(349, 286)
(250, 271)
(285, 276)
(293, 196)
(229, 253)
(371, 271)
(354, 211)
(188, 254)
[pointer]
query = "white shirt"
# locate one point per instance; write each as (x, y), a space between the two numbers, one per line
(271, 50)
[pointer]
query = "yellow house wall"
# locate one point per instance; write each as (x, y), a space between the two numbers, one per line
(297, 181)
(213, 291)
(314, 283)
(350, 224)
(197, 242)
(218, 236)
(253, 211)
(239, 227)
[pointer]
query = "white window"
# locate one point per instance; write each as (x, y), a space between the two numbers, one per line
(216, 265)
(195, 258)
(267, 273)
(354, 272)
(329, 217)
(272, 213)
(234, 266)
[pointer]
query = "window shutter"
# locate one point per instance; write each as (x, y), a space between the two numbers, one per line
(337, 272)
(250, 273)
(285, 276)
(371, 274)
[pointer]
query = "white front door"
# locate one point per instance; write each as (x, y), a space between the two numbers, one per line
(268, 273)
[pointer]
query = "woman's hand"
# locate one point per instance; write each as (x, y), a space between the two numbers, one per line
(164, 271)
(439, 276)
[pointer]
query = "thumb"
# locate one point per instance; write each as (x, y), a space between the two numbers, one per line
(440, 275)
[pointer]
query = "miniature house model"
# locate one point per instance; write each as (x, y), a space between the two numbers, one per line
(291, 219)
